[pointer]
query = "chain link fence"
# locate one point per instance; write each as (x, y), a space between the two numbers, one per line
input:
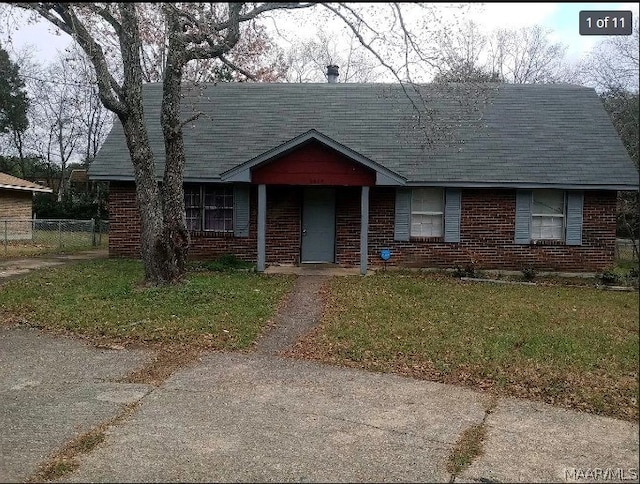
(627, 249)
(41, 236)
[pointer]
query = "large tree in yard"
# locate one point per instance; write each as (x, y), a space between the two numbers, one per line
(198, 31)
(194, 33)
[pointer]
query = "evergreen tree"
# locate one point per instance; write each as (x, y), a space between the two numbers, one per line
(13, 97)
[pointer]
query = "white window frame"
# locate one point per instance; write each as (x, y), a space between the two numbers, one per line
(562, 216)
(428, 213)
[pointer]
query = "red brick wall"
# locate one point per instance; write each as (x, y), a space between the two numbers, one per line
(486, 236)
(124, 221)
(348, 226)
(283, 224)
(282, 237)
(487, 232)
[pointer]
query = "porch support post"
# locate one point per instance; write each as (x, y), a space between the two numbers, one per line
(364, 229)
(262, 224)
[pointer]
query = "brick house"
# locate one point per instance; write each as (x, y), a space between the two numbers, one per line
(16, 206)
(501, 176)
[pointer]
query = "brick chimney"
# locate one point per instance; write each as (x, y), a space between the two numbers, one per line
(332, 74)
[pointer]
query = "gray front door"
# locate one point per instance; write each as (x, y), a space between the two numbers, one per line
(318, 225)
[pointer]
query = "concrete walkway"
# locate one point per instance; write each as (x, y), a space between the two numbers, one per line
(301, 313)
(53, 389)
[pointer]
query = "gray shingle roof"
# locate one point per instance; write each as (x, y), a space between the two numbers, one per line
(493, 135)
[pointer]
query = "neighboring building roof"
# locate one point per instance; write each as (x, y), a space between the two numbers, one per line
(9, 182)
(78, 175)
(500, 135)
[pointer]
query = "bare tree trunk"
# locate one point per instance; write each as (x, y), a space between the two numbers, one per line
(175, 241)
(147, 196)
(158, 264)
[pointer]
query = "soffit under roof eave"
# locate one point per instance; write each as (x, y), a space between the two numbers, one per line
(526, 185)
(25, 189)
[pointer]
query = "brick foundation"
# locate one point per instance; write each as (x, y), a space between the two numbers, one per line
(486, 232)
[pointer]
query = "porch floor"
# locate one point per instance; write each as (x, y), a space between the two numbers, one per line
(310, 269)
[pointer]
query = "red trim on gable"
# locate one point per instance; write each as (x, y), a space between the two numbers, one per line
(313, 164)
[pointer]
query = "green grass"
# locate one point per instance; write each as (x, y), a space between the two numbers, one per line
(573, 346)
(105, 298)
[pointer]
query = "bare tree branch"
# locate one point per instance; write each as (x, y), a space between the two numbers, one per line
(237, 68)
(68, 22)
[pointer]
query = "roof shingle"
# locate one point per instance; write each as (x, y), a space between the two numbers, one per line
(11, 182)
(477, 135)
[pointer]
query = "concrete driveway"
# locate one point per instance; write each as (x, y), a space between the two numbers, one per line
(249, 417)
(53, 389)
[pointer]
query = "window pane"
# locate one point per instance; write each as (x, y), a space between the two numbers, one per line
(218, 197)
(193, 219)
(218, 211)
(427, 200)
(548, 228)
(191, 196)
(548, 202)
(426, 225)
(218, 219)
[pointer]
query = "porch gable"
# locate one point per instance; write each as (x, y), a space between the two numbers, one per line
(335, 155)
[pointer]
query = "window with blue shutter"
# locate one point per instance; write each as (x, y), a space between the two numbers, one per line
(402, 215)
(549, 215)
(452, 213)
(575, 201)
(523, 217)
(241, 210)
(427, 212)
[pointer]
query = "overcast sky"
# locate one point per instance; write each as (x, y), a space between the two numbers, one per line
(562, 18)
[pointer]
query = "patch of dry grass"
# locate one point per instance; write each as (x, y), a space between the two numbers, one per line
(103, 300)
(467, 449)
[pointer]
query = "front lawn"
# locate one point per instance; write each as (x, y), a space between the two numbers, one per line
(571, 346)
(104, 299)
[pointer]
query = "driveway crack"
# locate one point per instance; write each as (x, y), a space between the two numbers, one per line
(470, 444)
(65, 460)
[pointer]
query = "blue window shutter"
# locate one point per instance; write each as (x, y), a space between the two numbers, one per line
(402, 227)
(523, 217)
(452, 215)
(241, 210)
(574, 218)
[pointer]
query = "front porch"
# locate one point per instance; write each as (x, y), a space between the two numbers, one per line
(328, 219)
(317, 225)
(310, 269)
